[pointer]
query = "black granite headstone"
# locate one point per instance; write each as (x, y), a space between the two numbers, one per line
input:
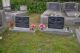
(56, 22)
(70, 7)
(22, 21)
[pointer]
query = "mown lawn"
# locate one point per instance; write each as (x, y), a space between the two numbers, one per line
(39, 42)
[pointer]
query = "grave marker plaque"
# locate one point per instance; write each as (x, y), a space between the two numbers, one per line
(70, 6)
(21, 21)
(54, 6)
(56, 22)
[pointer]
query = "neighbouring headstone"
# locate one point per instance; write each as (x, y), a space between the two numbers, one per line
(70, 8)
(6, 5)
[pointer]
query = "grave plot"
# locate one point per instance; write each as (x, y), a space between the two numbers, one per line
(22, 24)
(53, 9)
(70, 9)
(56, 25)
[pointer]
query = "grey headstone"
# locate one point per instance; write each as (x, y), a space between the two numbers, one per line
(55, 6)
(70, 6)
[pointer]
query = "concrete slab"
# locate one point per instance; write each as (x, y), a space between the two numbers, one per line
(58, 31)
(19, 29)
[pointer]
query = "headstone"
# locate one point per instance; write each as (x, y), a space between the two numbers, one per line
(70, 6)
(56, 22)
(70, 9)
(6, 4)
(21, 24)
(55, 6)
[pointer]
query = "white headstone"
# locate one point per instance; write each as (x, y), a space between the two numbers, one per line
(23, 8)
(6, 4)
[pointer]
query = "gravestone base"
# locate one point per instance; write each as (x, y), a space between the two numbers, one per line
(58, 31)
(19, 29)
(78, 34)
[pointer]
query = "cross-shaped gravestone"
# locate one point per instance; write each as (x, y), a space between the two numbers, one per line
(55, 6)
(56, 22)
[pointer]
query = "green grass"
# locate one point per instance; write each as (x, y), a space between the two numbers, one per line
(39, 42)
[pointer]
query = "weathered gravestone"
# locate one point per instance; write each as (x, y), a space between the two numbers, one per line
(56, 25)
(6, 5)
(21, 24)
(70, 9)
